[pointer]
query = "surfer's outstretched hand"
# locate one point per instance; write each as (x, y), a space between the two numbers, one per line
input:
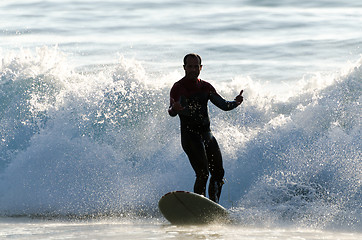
(239, 98)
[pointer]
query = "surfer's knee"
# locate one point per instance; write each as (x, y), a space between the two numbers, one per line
(217, 174)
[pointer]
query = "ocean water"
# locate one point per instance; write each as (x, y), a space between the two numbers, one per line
(87, 147)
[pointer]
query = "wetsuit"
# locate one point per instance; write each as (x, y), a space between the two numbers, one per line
(197, 140)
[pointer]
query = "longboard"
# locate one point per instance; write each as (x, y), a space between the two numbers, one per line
(181, 207)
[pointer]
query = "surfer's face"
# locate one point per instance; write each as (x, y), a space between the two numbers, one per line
(192, 67)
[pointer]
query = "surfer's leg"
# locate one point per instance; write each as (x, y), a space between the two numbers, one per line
(194, 148)
(215, 187)
(215, 167)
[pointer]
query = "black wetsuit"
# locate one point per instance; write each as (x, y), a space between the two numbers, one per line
(197, 140)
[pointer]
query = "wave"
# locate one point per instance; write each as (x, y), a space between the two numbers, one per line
(101, 142)
(303, 163)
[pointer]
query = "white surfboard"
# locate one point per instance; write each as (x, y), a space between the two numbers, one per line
(182, 207)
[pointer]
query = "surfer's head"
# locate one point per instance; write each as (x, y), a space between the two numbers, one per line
(192, 65)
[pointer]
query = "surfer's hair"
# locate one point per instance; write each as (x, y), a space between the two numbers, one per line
(192, 55)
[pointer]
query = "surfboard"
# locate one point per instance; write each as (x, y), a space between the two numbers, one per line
(181, 207)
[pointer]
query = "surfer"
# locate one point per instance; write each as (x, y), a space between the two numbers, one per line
(188, 99)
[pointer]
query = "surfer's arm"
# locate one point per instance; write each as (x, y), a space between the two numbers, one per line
(177, 102)
(175, 105)
(221, 103)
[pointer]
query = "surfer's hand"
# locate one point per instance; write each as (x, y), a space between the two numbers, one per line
(239, 98)
(176, 106)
